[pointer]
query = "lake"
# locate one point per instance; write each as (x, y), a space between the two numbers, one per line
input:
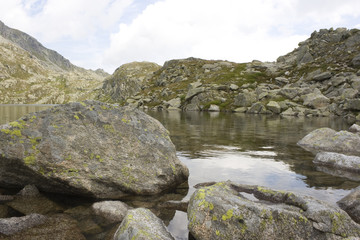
(247, 149)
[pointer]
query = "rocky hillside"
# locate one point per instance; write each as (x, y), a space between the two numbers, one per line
(31, 73)
(320, 77)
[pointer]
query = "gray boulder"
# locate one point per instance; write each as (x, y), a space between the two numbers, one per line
(338, 161)
(322, 76)
(352, 104)
(356, 61)
(351, 204)
(214, 108)
(354, 128)
(142, 224)
(245, 99)
(193, 92)
(326, 139)
(112, 211)
(257, 108)
(273, 107)
(90, 149)
(176, 103)
(316, 100)
(227, 210)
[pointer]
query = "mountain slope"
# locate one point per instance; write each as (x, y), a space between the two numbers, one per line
(31, 73)
(320, 77)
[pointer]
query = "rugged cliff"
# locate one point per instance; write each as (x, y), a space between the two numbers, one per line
(31, 73)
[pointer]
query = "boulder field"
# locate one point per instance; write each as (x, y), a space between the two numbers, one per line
(90, 149)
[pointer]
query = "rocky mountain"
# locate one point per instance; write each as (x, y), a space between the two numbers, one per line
(31, 73)
(321, 77)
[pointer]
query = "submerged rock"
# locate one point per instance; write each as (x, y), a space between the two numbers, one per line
(225, 211)
(90, 149)
(326, 139)
(142, 224)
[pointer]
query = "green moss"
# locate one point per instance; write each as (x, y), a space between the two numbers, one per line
(228, 215)
(29, 160)
(173, 169)
(109, 128)
(76, 117)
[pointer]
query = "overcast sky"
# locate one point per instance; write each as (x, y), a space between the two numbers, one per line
(108, 33)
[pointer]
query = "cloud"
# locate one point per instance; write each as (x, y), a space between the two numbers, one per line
(229, 29)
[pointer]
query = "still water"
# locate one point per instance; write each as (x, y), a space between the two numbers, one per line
(248, 149)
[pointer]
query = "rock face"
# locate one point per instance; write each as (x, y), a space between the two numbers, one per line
(326, 139)
(90, 149)
(220, 212)
(112, 211)
(142, 224)
(10, 226)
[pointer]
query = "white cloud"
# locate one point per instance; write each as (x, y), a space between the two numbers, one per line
(228, 29)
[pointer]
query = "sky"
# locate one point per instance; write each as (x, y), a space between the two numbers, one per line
(108, 33)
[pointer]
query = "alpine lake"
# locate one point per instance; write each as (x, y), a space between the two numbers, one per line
(215, 146)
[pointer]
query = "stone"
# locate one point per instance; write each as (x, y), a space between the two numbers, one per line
(322, 76)
(194, 85)
(326, 139)
(4, 211)
(289, 112)
(214, 108)
(351, 204)
(352, 104)
(192, 107)
(316, 100)
(289, 93)
(281, 81)
(338, 161)
(142, 224)
(10, 226)
(245, 99)
(29, 190)
(112, 211)
(273, 107)
(256, 108)
(240, 110)
(234, 87)
(354, 128)
(40, 204)
(356, 61)
(193, 92)
(228, 210)
(90, 149)
(175, 102)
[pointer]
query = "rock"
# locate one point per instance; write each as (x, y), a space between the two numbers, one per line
(257, 108)
(326, 139)
(90, 149)
(289, 93)
(315, 100)
(194, 85)
(29, 190)
(281, 81)
(354, 128)
(10, 226)
(192, 107)
(56, 227)
(234, 87)
(289, 112)
(214, 108)
(338, 161)
(141, 224)
(193, 92)
(351, 204)
(4, 211)
(356, 61)
(240, 110)
(245, 99)
(352, 104)
(112, 211)
(273, 107)
(175, 102)
(322, 76)
(233, 211)
(6, 198)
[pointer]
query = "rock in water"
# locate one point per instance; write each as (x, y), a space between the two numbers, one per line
(326, 139)
(219, 211)
(90, 149)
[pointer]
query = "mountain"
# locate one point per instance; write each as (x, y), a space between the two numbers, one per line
(31, 73)
(319, 78)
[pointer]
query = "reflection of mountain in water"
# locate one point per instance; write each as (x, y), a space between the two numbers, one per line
(197, 135)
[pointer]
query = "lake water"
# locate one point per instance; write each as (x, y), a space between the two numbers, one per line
(248, 149)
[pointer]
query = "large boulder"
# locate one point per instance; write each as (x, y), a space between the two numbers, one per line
(245, 99)
(90, 149)
(227, 210)
(111, 211)
(316, 100)
(142, 224)
(338, 161)
(326, 139)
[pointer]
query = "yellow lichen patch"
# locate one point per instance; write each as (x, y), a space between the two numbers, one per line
(228, 215)
(76, 117)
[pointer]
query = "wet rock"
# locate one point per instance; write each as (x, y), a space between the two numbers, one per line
(10, 226)
(354, 128)
(233, 211)
(141, 224)
(326, 139)
(90, 149)
(112, 211)
(351, 204)
(338, 161)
